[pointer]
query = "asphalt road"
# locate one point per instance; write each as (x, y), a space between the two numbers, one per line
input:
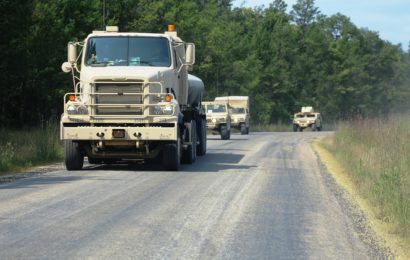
(262, 196)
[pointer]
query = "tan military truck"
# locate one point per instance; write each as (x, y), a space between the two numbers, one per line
(132, 99)
(307, 118)
(218, 118)
(239, 107)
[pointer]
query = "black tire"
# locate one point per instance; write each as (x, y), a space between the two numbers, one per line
(295, 128)
(189, 155)
(300, 129)
(201, 134)
(243, 129)
(314, 127)
(171, 155)
(73, 156)
(224, 132)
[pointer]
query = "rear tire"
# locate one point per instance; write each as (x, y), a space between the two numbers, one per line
(201, 134)
(295, 128)
(189, 155)
(73, 156)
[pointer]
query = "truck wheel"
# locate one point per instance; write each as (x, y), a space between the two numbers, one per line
(189, 155)
(314, 127)
(201, 134)
(73, 156)
(224, 132)
(243, 129)
(295, 128)
(300, 129)
(171, 155)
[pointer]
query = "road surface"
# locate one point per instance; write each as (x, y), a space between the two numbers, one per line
(262, 196)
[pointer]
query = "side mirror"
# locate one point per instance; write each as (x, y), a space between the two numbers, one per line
(72, 53)
(190, 54)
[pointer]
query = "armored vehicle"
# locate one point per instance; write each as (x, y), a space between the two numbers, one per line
(307, 118)
(218, 118)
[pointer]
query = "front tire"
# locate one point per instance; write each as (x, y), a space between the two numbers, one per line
(73, 156)
(171, 155)
(224, 132)
(243, 129)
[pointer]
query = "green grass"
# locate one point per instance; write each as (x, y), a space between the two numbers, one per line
(25, 148)
(376, 153)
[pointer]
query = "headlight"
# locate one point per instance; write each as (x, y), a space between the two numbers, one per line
(76, 109)
(235, 120)
(213, 120)
(163, 110)
(71, 110)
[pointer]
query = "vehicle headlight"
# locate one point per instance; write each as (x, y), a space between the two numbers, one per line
(213, 120)
(71, 110)
(235, 120)
(76, 109)
(163, 110)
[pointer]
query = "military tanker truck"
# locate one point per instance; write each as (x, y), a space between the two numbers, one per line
(239, 108)
(132, 99)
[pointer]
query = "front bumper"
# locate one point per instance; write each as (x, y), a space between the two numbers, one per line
(131, 133)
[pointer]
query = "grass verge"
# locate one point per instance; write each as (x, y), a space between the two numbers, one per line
(21, 149)
(369, 158)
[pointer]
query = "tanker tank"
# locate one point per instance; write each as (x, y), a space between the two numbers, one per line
(196, 90)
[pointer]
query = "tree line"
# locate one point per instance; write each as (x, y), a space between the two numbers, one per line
(282, 59)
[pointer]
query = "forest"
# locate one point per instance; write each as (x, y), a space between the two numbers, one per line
(282, 59)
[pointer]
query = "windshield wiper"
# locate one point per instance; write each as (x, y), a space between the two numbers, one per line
(146, 62)
(99, 64)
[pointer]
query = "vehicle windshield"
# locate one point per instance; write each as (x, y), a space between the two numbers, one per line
(305, 115)
(215, 108)
(127, 51)
(238, 110)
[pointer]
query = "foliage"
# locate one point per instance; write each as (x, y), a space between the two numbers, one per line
(29, 147)
(375, 152)
(283, 60)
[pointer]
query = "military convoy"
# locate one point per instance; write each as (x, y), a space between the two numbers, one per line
(132, 99)
(239, 110)
(307, 118)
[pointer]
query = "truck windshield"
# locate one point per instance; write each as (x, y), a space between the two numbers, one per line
(215, 109)
(127, 51)
(238, 110)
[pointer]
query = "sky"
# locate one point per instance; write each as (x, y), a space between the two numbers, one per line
(390, 18)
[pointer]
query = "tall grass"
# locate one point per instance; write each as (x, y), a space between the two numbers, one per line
(25, 148)
(376, 153)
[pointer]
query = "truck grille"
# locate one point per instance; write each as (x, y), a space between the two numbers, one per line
(119, 98)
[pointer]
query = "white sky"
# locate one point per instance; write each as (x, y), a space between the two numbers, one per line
(391, 18)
